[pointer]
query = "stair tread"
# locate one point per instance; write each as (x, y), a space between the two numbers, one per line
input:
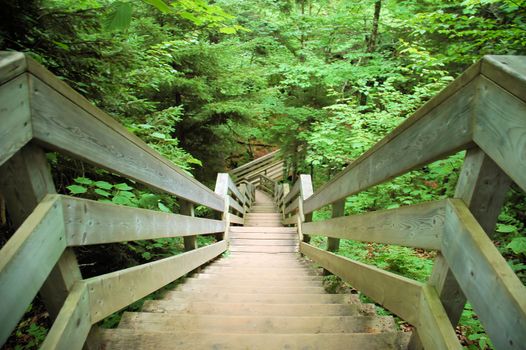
(271, 298)
(257, 324)
(136, 339)
(248, 309)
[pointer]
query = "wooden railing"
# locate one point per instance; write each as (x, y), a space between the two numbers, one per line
(39, 112)
(267, 165)
(484, 112)
(266, 184)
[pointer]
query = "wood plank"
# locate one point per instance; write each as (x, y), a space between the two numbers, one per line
(187, 208)
(263, 242)
(121, 288)
(262, 236)
(264, 249)
(66, 126)
(434, 327)
(91, 222)
(234, 219)
(256, 324)
(12, 64)
(71, 328)
(235, 191)
(419, 226)
(227, 297)
(428, 135)
(293, 192)
(15, 117)
(133, 339)
(497, 295)
(292, 206)
(500, 129)
(235, 205)
(338, 209)
(254, 163)
(27, 259)
(396, 293)
(507, 71)
(292, 220)
(264, 229)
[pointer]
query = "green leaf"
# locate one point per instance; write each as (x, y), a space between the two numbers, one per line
(228, 30)
(506, 228)
(120, 16)
(102, 192)
(163, 207)
(83, 181)
(123, 187)
(104, 185)
(121, 200)
(518, 245)
(160, 5)
(158, 135)
(149, 201)
(127, 194)
(147, 255)
(76, 189)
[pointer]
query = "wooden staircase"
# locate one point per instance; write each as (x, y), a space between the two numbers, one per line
(260, 296)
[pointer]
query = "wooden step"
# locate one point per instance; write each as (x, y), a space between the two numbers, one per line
(249, 309)
(251, 289)
(166, 322)
(277, 278)
(263, 242)
(262, 271)
(265, 249)
(228, 297)
(219, 283)
(262, 235)
(256, 263)
(146, 340)
(248, 223)
(264, 229)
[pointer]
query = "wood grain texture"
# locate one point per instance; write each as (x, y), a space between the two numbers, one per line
(419, 225)
(234, 219)
(236, 206)
(507, 71)
(27, 259)
(398, 294)
(15, 117)
(12, 64)
(91, 222)
(434, 327)
(338, 210)
(497, 295)
(187, 208)
(111, 292)
(64, 125)
(292, 206)
(428, 135)
(292, 220)
(500, 129)
(71, 328)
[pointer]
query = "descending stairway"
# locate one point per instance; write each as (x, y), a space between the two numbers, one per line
(261, 296)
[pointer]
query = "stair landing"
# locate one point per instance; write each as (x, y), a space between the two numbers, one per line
(262, 295)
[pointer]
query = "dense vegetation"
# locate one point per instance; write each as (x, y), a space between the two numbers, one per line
(211, 85)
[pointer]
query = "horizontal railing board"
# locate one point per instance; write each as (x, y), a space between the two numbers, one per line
(294, 191)
(91, 222)
(236, 219)
(290, 220)
(121, 288)
(235, 205)
(15, 117)
(500, 129)
(398, 294)
(27, 259)
(292, 206)
(73, 323)
(256, 161)
(64, 124)
(497, 295)
(12, 64)
(508, 72)
(430, 134)
(419, 226)
(235, 191)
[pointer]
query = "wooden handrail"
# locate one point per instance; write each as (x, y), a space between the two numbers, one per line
(39, 108)
(485, 108)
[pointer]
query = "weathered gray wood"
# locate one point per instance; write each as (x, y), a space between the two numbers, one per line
(25, 180)
(497, 295)
(292, 206)
(500, 129)
(430, 134)
(12, 64)
(235, 191)
(27, 259)
(398, 294)
(221, 187)
(121, 288)
(236, 206)
(236, 219)
(433, 325)
(293, 192)
(73, 323)
(65, 125)
(15, 117)
(338, 210)
(419, 225)
(187, 208)
(256, 163)
(91, 222)
(292, 220)
(306, 192)
(507, 71)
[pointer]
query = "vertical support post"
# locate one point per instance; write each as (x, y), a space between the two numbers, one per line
(244, 193)
(222, 190)
(305, 192)
(286, 190)
(187, 208)
(24, 181)
(482, 185)
(338, 209)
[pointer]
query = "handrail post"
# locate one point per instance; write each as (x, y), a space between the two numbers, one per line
(187, 208)
(338, 209)
(221, 189)
(482, 185)
(305, 192)
(24, 181)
